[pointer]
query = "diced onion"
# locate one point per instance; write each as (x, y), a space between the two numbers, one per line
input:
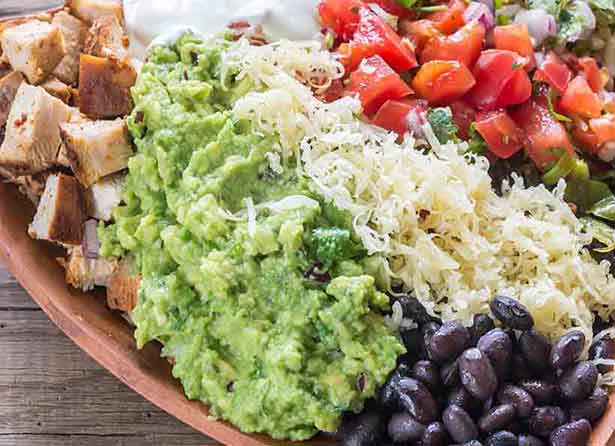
(540, 24)
(479, 12)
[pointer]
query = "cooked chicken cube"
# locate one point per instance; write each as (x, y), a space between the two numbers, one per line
(9, 85)
(104, 87)
(96, 148)
(123, 288)
(34, 48)
(57, 88)
(74, 32)
(32, 136)
(90, 10)
(84, 273)
(61, 212)
(32, 186)
(106, 38)
(5, 68)
(104, 196)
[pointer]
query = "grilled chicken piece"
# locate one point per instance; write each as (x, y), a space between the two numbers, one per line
(104, 196)
(74, 32)
(5, 68)
(104, 87)
(84, 273)
(106, 38)
(123, 288)
(32, 136)
(9, 85)
(35, 48)
(96, 149)
(90, 10)
(61, 212)
(58, 89)
(32, 186)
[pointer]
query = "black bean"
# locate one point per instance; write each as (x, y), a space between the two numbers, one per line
(417, 400)
(403, 428)
(498, 347)
(413, 309)
(542, 391)
(388, 395)
(578, 382)
(518, 397)
(488, 404)
(529, 440)
(603, 349)
(449, 374)
(459, 396)
(459, 424)
(545, 419)
(476, 374)
(435, 435)
(502, 438)
(472, 443)
(497, 418)
(567, 350)
(413, 341)
(481, 324)
(520, 369)
(535, 349)
(448, 341)
(511, 313)
(428, 373)
(575, 433)
(592, 408)
(364, 429)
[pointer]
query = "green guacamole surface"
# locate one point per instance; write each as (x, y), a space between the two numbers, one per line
(267, 345)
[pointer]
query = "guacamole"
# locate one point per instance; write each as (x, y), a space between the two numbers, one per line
(256, 288)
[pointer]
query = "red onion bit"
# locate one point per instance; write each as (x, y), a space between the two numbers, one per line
(481, 13)
(90, 244)
(539, 23)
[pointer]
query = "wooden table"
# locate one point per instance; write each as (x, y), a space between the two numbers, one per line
(52, 393)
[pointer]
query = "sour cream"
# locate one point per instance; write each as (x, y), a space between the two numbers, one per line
(148, 19)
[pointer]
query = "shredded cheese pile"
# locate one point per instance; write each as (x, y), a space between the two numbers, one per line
(433, 216)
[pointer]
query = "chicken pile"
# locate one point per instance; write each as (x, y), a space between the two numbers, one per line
(65, 79)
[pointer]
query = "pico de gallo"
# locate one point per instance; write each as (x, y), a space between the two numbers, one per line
(527, 83)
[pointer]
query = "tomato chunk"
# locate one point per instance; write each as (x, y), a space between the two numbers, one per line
(419, 32)
(463, 116)
(503, 136)
(500, 81)
(543, 136)
(342, 16)
(393, 7)
(375, 82)
(442, 82)
(393, 114)
(375, 36)
(580, 99)
(515, 38)
(554, 72)
(463, 45)
(604, 128)
(596, 78)
(451, 19)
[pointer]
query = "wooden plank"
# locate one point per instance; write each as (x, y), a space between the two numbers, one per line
(17, 7)
(12, 295)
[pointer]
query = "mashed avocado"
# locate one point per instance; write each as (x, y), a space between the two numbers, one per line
(251, 282)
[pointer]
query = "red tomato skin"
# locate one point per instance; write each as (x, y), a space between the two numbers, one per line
(442, 82)
(541, 132)
(342, 16)
(515, 38)
(375, 37)
(587, 140)
(604, 128)
(499, 83)
(463, 116)
(554, 72)
(375, 82)
(392, 7)
(596, 78)
(334, 92)
(580, 99)
(451, 19)
(503, 136)
(419, 32)
(464, 45)
(392, 115)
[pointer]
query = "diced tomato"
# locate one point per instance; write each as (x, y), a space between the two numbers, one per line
(419, 32)
(393, 7)
(543, 135)
(334, 92)
(463, 45)
(342, 16)
(442, 82)
(500, 81)
(375, 82)
(463, 116)
(596, 78)
(580, 99)
(502, 135)
(586, 139)
(393, 114)
(604, 128)
(554, 72)
(374, 36)
(515, 38)
(451, 19)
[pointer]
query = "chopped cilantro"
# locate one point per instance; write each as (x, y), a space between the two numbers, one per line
(406, 3)
(476, 143)
(441, 121)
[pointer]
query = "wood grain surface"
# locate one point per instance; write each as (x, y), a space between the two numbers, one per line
(52, 393)
(15, 7)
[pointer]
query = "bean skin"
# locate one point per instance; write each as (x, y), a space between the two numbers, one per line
(535, 349)
(365, 429)
(498, 347)
(518, 397)
(575, 433)
(592, 408)
(520, 369)
(542, 391)
(502, 438)
(449, 374)
(578, 381)
(511, 313)
(418, 401)
(477, 374)
(546, 419)
(529, 440)
(567, 350)
(497, 418)
(435, 435)
(388, 395)
(448, 341)
(459, 396)
(481, 325)
(459, 424)
(428, 373)
(403, 428)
